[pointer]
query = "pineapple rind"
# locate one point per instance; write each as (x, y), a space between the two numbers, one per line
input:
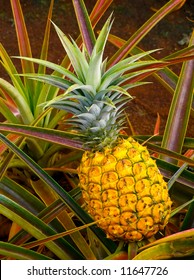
(124, 191)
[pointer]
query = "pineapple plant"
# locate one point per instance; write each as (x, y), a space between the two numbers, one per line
(122, 187)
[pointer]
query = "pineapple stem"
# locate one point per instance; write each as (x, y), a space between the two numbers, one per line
(132, 250)
(120, 246)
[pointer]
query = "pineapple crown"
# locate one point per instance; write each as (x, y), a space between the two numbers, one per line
(94, 93)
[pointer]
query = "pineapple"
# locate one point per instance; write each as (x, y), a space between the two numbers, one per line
(125, 191)
(121, 185)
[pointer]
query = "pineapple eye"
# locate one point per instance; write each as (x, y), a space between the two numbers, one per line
(124, 168)
(108, 177)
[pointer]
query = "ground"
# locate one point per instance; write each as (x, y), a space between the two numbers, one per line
(171, 34)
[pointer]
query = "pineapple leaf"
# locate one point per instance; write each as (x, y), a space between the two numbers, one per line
(129, 64)
(177, 174)
(49, 79)
(180, 207)
(102, 38)
(23, 41)
(11, 70)
(49, 197)
(188, 221)
(88, 117)
(35, 227)
(180, 248)
(53, 136)
(142, 32)
(165, 76)
(87, 88)
(44, 55)
(99, 10)
(58, 68)
(6, 111)
(178, 118)
(21, 102)
(76, 57)
(94, 71)
(173, 237)
(94, 109)
(18, 253)
(120, 90)
(85, 25)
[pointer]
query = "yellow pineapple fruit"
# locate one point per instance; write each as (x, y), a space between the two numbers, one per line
(124, 191)
(121, 184)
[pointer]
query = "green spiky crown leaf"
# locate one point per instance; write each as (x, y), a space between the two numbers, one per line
(93, 93)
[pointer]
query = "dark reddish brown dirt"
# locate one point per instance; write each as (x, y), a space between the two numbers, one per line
(171, 34)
